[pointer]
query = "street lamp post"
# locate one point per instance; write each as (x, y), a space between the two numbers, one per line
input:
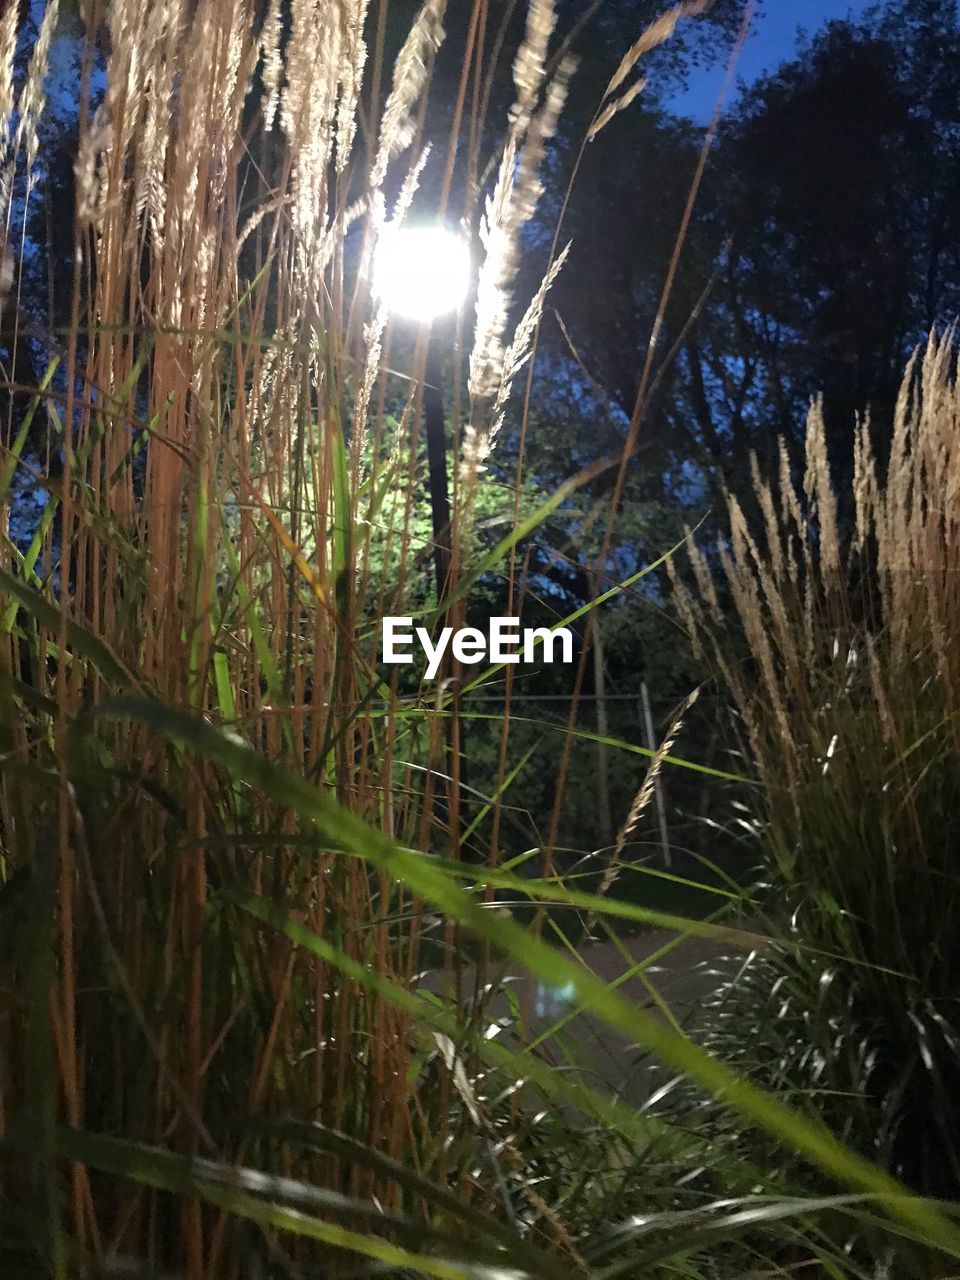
(437, 465)
(422, 272)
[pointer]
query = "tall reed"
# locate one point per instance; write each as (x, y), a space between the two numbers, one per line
(235, 462)
(832, 619)
(217, 1057)
(221, 406)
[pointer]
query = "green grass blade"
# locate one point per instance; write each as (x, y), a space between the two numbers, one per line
(244, 1192)
(812, 1140)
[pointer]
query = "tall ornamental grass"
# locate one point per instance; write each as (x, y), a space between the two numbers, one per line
(833, 619)
(229, 841)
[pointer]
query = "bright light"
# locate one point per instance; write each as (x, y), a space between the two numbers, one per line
(421, 271)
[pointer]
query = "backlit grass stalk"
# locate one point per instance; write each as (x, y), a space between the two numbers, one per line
(194, 959)
(211, 537)
(833, 617)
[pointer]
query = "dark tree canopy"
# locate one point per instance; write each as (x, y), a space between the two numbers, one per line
(825, 244)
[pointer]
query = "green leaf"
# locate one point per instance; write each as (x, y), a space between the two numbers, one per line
(432, 883)
(13, 455)
(80, 640)
(519, 532)
(244, 1192)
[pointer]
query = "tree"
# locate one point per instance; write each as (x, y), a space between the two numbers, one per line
(843, 179)
(824, 247)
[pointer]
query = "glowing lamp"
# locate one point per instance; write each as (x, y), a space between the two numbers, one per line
(421, 271)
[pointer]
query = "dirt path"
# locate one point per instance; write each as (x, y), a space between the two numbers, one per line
(682, 977)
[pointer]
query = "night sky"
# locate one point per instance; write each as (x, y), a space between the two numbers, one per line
(771, 42)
